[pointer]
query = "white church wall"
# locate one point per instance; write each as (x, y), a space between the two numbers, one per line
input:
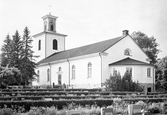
(116, 52)
(43, 75)
(139, 73)
(64, 73)
(49, 43)
(81, 69)
(40, 53)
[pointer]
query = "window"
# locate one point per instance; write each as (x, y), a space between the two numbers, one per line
(48, 75)
(45, 27)
(55, 44)
(73, 72)
(127, 52)
(148, 72)
(38, 76)
(51, 26)
(59, 79)
(59, 76)
(114, 72)
(39, 45)
(59, 69)
(129, 70)
(89, 70)
(45, 23)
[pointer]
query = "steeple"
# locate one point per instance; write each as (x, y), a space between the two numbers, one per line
(48, 41)
(49, 22)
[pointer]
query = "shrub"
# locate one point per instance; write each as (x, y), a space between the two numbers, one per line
(6, 111)
(116, 83)
(154, 109)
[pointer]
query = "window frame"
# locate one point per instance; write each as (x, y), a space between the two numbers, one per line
(55, 44)
(114, 72)
(39, 45)
(127, 52)
(129, 70)
(51, 26)
(73, 72)
(149, 72)
(48, 75)
(38, 74)
(89, 70)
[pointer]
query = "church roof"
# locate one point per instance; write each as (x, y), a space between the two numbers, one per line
(129, 61)
(84, 50)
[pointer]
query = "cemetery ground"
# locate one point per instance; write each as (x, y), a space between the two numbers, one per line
(59, 101)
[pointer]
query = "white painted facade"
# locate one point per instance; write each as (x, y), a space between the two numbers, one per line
(46, 38)
(116, 53)
(100, 69)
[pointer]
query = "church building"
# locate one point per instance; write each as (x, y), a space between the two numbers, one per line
(88, 66)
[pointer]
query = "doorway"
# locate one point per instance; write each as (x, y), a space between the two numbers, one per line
(149, 89)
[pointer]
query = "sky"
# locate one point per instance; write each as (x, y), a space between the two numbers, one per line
(87, 21)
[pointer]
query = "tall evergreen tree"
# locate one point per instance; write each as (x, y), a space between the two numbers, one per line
(6, 51)
(17, 53)
(17, 48)
(27, 41)
(28, 65)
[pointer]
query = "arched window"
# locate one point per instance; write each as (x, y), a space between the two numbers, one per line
(39, 45)
(38, 76)
(127, 52)
(89, 70)
(59, 69)
(55, 44)
(48, 75)
(45, 28)
(149, 72)
(59, 76)
(51, 26)
(73, 72)
(45, 23)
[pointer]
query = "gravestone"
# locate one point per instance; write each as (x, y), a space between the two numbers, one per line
(107, 111)
(134, 109)
(73, 112)
(94, 114)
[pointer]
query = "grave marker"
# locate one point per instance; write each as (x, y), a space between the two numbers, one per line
(107, 111)
(73, 112)
(134, 109)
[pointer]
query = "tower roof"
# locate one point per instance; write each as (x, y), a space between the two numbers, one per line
(49, 16)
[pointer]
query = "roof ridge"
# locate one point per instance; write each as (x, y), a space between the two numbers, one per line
(96, 47)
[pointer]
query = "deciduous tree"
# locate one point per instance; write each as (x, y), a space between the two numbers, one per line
(148, 44)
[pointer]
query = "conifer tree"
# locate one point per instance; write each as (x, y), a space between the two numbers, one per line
(27, 66)
(17, 53)
(17, 48)
(6, 51)
(27, 41)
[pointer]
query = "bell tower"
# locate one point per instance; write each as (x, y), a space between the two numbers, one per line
(49, 41)
(49, 22)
